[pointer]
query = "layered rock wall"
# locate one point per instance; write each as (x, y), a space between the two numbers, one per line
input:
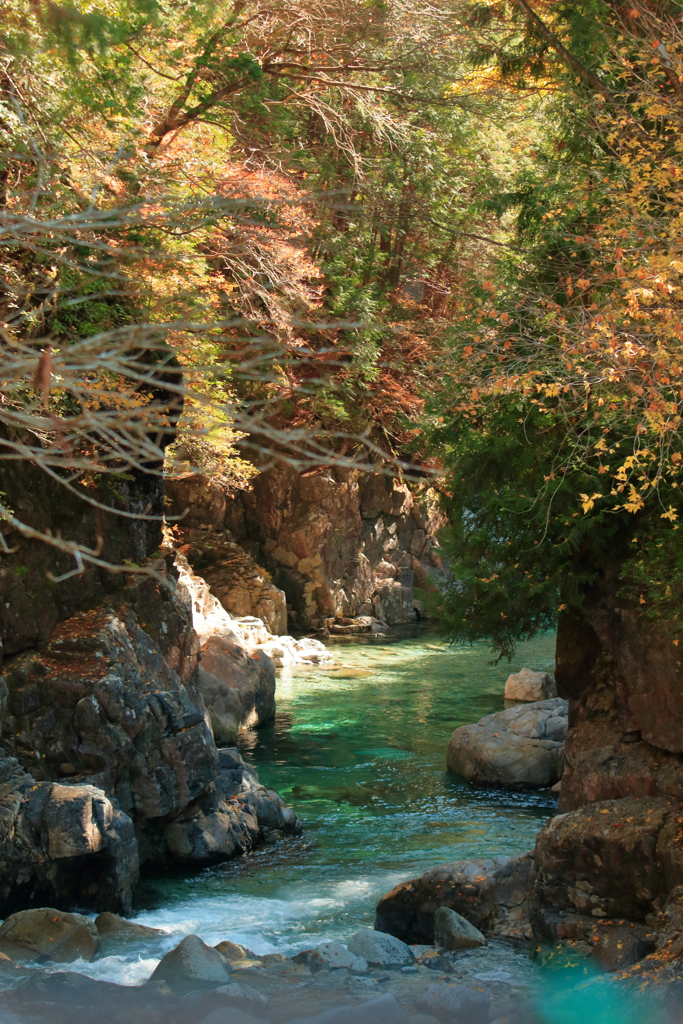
(109, 759)
(338, 543)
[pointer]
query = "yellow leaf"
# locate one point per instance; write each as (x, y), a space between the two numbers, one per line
(587, 502)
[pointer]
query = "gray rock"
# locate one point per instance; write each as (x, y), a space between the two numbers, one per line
(526, 685)
(452, 931)
(492, 892)
(383, 1010)
(358, 965)
(456, 1002)
(68, 843)
(520, 747)
(236, 688)
(192, 961)
(48, 934)
(332, 955)
(218, 826)
(380, 949)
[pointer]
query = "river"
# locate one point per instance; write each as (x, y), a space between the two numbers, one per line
(359, 751)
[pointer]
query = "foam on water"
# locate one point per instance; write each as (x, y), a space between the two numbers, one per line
(359, 752)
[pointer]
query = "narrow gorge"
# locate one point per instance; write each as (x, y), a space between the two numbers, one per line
(341, 569)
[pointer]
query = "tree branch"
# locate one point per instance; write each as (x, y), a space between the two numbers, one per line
(585, 73)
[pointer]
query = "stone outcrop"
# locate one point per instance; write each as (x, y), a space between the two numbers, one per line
(31, 604)
(100, 703)
(236, 677)
(519, 747)
(108, 758)
(339, 543)
(68, 845)
(623, 680)
(112, 758)
(620, 859)
(231, 818)
(492, 894)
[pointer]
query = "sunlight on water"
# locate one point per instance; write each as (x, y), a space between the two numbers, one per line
(359, 751)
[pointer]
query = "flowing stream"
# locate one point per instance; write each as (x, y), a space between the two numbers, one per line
(359, 751)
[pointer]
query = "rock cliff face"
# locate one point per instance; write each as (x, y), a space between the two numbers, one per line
(109, 760)
(338, 543)
(624, 682)
(616, 851)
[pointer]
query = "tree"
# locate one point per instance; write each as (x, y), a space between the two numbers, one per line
(561, 416)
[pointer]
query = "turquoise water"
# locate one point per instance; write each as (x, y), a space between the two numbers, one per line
(359, 751)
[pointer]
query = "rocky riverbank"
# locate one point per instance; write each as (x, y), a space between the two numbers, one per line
(372, 979)
(118, 726)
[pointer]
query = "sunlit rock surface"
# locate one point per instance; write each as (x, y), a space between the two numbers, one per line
(520, 747)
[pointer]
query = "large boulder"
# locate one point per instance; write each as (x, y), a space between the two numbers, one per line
(48, 934)
(492, 894)
(232, 818)
(521, 747)
(331, 956)
(190, 962)
(237, 688)
(614, 859)
(526, 685)
(101, 705)
(65, 843)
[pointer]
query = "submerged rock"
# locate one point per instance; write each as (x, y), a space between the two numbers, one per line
(48, 934)
(526, 685)
(452, 931)
(231, 1015)
(383, 1010)
(521, 747)
(116, 933)
(380, 948)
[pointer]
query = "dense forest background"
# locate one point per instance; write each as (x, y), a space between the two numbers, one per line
(447, 237)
